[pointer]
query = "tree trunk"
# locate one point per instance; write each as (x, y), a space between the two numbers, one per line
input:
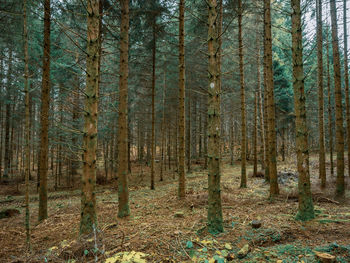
(27, 123)
(7, 157)
(162, 161)
(189, 131)
(153, 146)
(88, 220)
(322, 155)
(182, 179)
(306, 208)
(123, 191)
(339, 138)
(261, 123)
(274, 190)
(215, 221)
(45, 105)
(243, 113)
(255, 133)
(330, 123)
(346, 79)
(75, 118)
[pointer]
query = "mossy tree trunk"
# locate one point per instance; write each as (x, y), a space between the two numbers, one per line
(88, 221)
(75, 117)
(44, 117)
(271, 126)
(346, 79)
(27, 122)
(7, 157)
(330, 122)
(256, 107)
(153, 146)
(322, 155)
(306, 209)
(162, 161)
(123, 191)
(182, 179)
(339, 138)
(243, 113)
(215, 221)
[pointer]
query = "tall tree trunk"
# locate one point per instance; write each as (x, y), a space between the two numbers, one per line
(27, 123)
(330, 125)
(206, 138)
(7, 157)
(123, 191)
(243, 113)
(162, 161)
(1, 132)
(45, 105)
(189, 123)
(256, 106)
(339, 138)
(153, 146)
(261, 123)
(200, 124)
(306, 208)
(182, 179)
(88, 220)
(75, 118)
(322, 155)
(255, 133)
(215, 221)
(346, 79)
(274, 190)
(232, 132)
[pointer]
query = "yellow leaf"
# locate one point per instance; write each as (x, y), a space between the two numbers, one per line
(228, 246)
(206, 242)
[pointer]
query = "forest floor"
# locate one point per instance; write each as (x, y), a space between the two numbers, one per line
(164, 229)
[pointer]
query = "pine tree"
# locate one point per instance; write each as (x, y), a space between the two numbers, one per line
(88, 220)
(215, 221)
(322, 155)
(44, 116)
(243, 101)
(123, 191)
(182, 182)
(306, 209)
(339, 138)
(271, 126)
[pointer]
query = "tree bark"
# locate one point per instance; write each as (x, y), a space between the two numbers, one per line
(322, 155)
(27, 123)
(243, 113)
(306, 209)
(88, 220)
(153, 146)
(274, 190)
(45, 105)
(339, 138)
(346, 79)
(215, 220)
(330, 122)
(123, 191)
(181, 141)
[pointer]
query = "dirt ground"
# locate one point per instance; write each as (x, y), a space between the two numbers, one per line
(165, 229)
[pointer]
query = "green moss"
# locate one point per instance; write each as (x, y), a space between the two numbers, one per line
(215, 225)
(305, 215)
(124, 211)
(306, 209)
